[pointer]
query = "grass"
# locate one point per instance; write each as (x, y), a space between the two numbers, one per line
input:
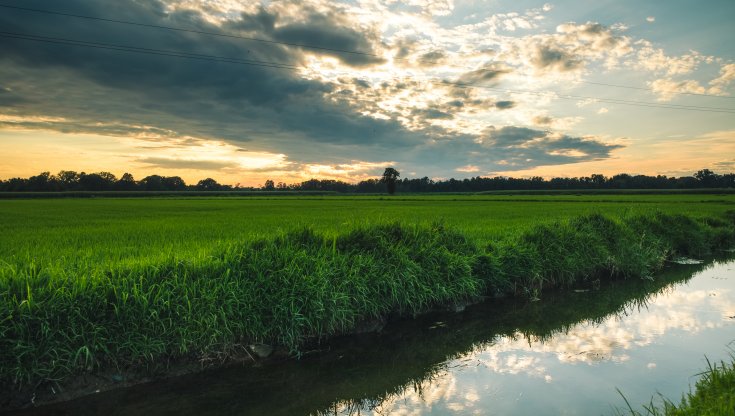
(87, 285)
(713, 395)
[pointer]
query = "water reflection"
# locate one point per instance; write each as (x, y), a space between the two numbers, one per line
(672, 317)
(562, 355)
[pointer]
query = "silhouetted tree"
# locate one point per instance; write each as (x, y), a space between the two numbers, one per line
(389, 177)
(174, 183)
(103, 181)
(68, 179)
(41, 182)
(208, 184)
(706, 178)
(152, 183)
(126, 183)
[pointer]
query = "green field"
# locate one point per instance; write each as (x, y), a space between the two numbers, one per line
(89, 285)
(101, 232)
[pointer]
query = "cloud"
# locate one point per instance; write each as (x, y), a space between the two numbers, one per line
(668, 88)
(549, 57)
(325, 107)
(727, 75)
(107, 92)
(570, 49)
(650, 58)
(431, 113)
(650, 19)
(725, 165)
(328, 31)
(429, 7)
(483, 75)
(526, 146)
(165, 163)
(505, 105)
(468, 169)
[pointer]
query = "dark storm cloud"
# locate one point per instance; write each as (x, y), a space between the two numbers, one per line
(323, 31)
(9, 98)
(157, 76)
(87, 86)
(591, 148)
(513, 136)
(507, 149)
(546, 145)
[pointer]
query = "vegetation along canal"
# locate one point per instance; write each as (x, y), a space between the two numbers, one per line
(564, 354)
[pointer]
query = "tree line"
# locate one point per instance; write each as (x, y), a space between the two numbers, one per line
(67, 180)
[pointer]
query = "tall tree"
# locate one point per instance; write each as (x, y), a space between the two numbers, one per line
(390, 176)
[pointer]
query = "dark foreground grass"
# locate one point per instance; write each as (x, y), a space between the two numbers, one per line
(305, 285)
(713, 395)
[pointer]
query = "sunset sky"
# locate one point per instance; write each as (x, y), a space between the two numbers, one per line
(340, 90)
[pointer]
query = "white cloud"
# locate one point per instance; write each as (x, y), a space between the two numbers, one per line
(468, 169)
(668, 88)
(654, 59)
(727, 75)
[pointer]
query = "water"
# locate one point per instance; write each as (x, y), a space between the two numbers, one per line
(564, 355)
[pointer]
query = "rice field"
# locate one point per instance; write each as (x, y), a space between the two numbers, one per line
(102, 232)
(88, 285)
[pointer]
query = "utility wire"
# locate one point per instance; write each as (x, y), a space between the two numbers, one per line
(149, 51)
(181, 29)
(202, 32)
(597, 99)
(651, 89)
(222, 59)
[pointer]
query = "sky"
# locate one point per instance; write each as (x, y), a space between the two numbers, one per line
(293, 90)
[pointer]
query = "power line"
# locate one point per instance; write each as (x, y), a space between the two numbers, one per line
(597, 99)
(181, 29)
(202, 32)
(149, 51)
(222, 59)
(651, 89)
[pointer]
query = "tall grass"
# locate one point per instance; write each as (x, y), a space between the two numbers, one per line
(304, 285)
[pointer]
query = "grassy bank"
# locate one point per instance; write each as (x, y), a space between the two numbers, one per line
(59, 319)
(713, 395)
